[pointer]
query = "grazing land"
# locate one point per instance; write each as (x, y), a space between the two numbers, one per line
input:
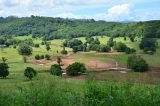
(105, 77)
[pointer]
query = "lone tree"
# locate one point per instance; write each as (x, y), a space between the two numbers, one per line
(48, 47)
(4, 69)
(25, 50)
(56, 70)
(59, 60)
(137, 63)
(30, 73)
(76, 69)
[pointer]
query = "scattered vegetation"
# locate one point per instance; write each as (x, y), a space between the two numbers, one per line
(76, 69)
(30, 73)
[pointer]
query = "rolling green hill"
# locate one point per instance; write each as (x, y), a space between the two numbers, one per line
(54, 28)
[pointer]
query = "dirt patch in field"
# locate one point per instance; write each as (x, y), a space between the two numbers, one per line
(97, 65)
(66, 61)
(157, 69)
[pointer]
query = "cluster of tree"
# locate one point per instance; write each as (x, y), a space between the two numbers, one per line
(56, 28)
(122, 47)
(75, 44)
(38, 57)
(137, 63)
(148, 45)
(72, 70)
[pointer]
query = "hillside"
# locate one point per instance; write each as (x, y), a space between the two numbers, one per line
(55, 28)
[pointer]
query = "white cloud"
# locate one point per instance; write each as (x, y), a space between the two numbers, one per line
(116, 10)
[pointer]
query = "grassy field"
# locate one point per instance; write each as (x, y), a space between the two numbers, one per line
(137, 89)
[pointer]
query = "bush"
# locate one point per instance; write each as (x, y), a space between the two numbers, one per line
(137, 63)
(130, 50)
(42, 56)
(56, 70)
(37, 57)
(120, 47)
(4, 70)
(148, 45)
(64, 51)
(104, 48)
(30, 73)
(75, 69)
(36, 45)
(47, 57)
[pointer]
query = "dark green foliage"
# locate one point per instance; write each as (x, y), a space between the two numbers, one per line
(36, 45)
(42, 56)
(76, 69)
(75, 49)
(120, 47)
(130, 50)
(64, 51)
(104, 48)
(30, 73)
(110, 43)
(148, 45)
(72, 43)
(48, 47)
(56, 28)
(4, 70)
(48, 57)
(25, 50)
(56, 70)
(59, 60)
(37, 57)
(137, 63)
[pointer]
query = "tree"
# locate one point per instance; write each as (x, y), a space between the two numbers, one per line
(137, 63)
(75, 49)
(4, 72)
(76, 69)
(56, 70)
(25, 50)
(59, 60)
(30, 73)
(104, 48)
(110, 42)
(148, 45)
(37, 56)
(64, 51)
(36, 45)
(48, 47)
(47, 57)
(120, 47)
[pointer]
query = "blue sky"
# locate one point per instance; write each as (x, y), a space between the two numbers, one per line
(108, 10)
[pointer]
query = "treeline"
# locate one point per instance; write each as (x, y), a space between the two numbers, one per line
(56, 28)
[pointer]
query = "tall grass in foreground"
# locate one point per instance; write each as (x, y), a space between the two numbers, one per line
(60, 92)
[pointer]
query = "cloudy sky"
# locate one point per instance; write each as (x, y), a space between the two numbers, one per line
(109, 10)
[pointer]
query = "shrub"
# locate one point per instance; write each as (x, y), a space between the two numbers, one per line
(4, 70)
(47, 57)
(37, 57)
(130, 50)
(137, 63)
(56, 70)
(42, 56)
(76, 69)
(148, 45)
(104, 48)
(64, 51)
(36, 45)
(30, 73)
(120, 47)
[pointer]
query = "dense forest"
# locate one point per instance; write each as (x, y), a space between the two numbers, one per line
(55, 28)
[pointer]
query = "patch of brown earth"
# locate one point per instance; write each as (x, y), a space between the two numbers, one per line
(97, 65)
